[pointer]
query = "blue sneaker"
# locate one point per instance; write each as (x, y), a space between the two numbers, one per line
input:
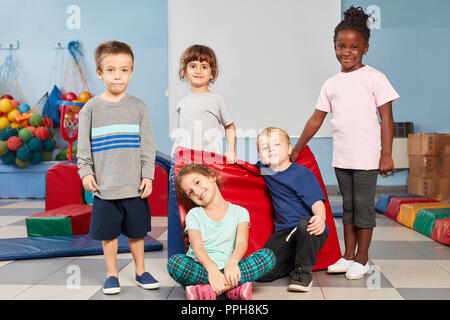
(111, 285)
(146, 281)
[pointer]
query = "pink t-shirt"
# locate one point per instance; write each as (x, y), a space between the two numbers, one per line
(353, 98)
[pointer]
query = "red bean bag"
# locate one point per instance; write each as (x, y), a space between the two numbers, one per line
(441, 231)
(243, 185)
(394, 204)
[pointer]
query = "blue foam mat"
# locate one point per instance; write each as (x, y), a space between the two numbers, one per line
(63, 246)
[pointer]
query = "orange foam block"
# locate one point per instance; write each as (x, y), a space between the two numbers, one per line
(408, 211)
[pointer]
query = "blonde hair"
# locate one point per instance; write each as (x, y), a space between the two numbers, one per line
(273, 130)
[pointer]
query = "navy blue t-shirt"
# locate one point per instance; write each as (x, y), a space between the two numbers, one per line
(293, 192)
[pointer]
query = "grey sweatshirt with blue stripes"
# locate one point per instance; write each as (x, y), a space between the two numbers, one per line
(116, 145)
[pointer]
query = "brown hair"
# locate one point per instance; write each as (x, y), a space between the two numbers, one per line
(199, 168)
(200, 53)
(269, 131)
(111, 47)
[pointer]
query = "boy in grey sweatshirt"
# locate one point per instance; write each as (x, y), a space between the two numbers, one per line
(116, 156)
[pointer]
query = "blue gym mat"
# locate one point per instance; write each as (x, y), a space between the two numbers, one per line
(63, 246)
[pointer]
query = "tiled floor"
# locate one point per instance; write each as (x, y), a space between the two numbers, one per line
(405, 265)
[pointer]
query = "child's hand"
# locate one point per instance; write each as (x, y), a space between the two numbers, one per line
(232, 273)
(89, 183)
(147, 186)
(386, 165)
(316, 225)
(217, 281)
(231, 157)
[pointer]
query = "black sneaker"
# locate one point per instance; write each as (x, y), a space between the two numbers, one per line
(301, 281)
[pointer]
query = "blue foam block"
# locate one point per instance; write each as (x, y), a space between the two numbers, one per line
(63, 246)
(337, 211)
(384, 199)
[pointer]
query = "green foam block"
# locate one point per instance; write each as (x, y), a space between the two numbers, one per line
(49, 226)
(425, 219)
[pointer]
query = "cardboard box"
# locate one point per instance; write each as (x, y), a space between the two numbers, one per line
(432, 187)
(429, 166)
(428, 144)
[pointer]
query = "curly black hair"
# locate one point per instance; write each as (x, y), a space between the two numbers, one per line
(355, 19)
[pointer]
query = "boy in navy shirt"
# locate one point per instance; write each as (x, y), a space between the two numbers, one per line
(298, 200)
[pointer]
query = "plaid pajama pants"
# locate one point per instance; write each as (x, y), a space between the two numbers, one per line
(188, 272)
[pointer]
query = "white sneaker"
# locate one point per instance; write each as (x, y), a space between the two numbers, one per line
(340, 266)
(357, 271)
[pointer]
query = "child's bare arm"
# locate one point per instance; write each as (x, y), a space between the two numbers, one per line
(231, 271)
(230, 136)
(317, 222)
(387, 136)
(311, 127)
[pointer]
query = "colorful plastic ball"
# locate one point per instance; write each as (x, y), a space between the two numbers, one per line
(49, 144)
(14, 143)
(68, 116)
(5, 105)
(76, 116)
(25, 134)
(69, 96)
(15, 125)
(12, 115)
(23, 108)
(7, 96)
(51, 132)
(9, 158)
(9, 132)
(48, 156)
(84, 96)
(24, 153)
(22, 164)
(33, 129)
(3, 148)
(37, 157)
(36, 120)
(35, 144)
(41, 133)
(4, 122)
(14, 104)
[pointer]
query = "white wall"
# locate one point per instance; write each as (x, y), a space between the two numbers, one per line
(273, 56)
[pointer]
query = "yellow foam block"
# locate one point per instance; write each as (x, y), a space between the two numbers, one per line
(408, 211)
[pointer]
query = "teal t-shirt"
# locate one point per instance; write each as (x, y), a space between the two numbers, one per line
(219, 237)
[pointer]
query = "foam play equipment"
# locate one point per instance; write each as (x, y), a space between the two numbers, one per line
(395, 203)
(408, 211)
(63, 246)
(63, 186)
(64, 221)
(441, 231)
(426, 219)
(384, 199)
(243, 185)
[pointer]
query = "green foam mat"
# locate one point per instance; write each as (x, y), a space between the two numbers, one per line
(49, 226)
(426, 218)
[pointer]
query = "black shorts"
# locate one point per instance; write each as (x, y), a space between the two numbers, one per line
(358, 188)
(110, 218)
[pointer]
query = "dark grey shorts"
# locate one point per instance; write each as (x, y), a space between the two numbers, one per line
(358, 188)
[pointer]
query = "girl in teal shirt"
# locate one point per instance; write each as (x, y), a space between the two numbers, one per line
(218, 236)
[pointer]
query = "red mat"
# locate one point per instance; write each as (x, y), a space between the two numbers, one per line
(394, 204)
(242, 185)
